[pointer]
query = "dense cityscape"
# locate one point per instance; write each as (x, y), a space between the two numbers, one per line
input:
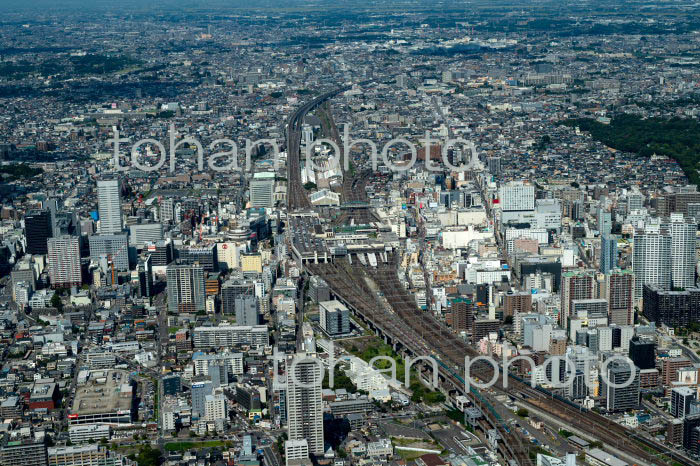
(404, 233)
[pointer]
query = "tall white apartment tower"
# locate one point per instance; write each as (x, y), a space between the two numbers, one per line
(109, 206)
(64, 261)
(651, 261)
(304, 403)
(682, 251)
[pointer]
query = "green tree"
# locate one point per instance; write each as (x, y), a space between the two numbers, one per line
(56, 302)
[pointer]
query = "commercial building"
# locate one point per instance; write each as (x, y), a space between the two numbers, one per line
(681, 397)
(262, 189)
(230, 335)
(114, 247)
(87, 432)
(102, 397)
(621, 398)
(334, 318)
(37, 231)
(247, 310)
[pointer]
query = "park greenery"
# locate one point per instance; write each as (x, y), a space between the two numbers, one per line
(677, 138)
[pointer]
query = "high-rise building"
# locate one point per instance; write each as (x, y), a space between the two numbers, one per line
(262, 190)
(186, 289)
(200, 391)
(109, 206)
(304, 402)
(37, 230)
(673, 308)
(167, 210)
(619, 286)
(608, 253)
(625, 398)
(643, 353)
(691, 432)
(215, 407)
(144, 271)
(651, 261)
(683, 259)
(462, 314)
(604, 222)
(517, 302)
(232, 289)
(24, 453)
(575, 285)
(247, 310)
(680, 401)
(635, 200)
(114, 247)
(64, 261)
(334, 317)
(517, 195)
(143, 233)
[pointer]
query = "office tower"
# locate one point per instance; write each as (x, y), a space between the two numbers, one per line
(604, 222)
(673, 308)
(143, 233)
(319, 290)
(575, 285)
(144, 271)
(608, 253)
(680, 401)
(64, 262)
(114, 247)
(231, 290)
(651, 261)
(186, 290)
(262, 190)
(462, 314)
(205, 256)
(643, 353)
(620, 399)
(37, 230)
(161, 252)
(619, 286)
(304, 403)
(247, 310)
(109, 206)
(683, 260)
(200, 391)
(24, 453)
(334, 317)
(516, 196)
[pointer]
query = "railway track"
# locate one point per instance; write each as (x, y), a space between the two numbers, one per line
(420, 332)
(349, 285)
